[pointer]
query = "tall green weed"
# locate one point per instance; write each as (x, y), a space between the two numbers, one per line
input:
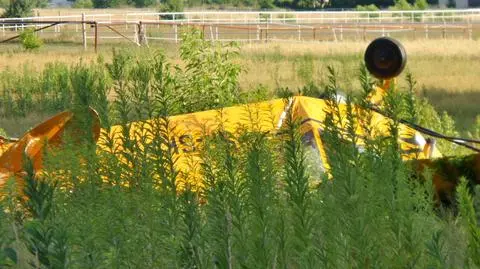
(261, 203)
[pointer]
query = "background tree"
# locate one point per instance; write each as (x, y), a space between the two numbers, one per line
(20, 8)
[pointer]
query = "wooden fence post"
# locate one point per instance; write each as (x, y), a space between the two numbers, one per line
(176, 32)
(141, 34)
(266, 34)
(84, 32)
(96, 37)
(135, 33)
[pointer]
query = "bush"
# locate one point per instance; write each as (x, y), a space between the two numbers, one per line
(171, 6)
(30, 40)
(370, 7)
(421, 4)
(405, 5)
(401, 5)
(83, 4)
(20, 8)
(4, 4)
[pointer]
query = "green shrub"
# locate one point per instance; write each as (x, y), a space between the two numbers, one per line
(19, 8)
(405, 5)
(421, 4)
(172, 6)
(401, 5)
(210, 77)
(83, 4)
(476, 128)
(30, 40)
(4, 4)
(8, 255)
(371, 7)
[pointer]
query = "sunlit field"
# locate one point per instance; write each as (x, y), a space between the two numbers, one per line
(444, 69)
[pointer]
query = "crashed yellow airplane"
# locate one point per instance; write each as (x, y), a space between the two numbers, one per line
(385, 58)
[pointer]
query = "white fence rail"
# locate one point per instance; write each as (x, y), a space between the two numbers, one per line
(249, 26)
(350, 17)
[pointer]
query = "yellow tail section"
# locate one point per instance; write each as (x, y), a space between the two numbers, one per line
(32, 143)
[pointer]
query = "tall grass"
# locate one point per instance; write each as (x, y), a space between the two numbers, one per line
(252, 202)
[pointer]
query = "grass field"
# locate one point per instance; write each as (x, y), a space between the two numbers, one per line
(444, 69)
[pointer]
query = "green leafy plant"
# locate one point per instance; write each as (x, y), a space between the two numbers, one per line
(30, 40)
(401, 5)
(210, 78)
(19, 9)
(8, 255)
(83, 4)
(371, 7)
(248, 199)
(469, 218)
(421, 4)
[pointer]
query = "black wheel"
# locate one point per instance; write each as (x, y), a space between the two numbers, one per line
(385, 58)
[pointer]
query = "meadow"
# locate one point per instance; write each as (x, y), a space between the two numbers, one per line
(444, 69)
(261, 202)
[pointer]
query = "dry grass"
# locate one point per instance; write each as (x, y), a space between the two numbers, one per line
(446, 70)
(436, 64)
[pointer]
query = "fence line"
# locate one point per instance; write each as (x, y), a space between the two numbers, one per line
(248, 26)
(272, 16)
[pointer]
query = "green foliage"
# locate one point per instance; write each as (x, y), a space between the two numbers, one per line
(44, 239)
(469, 219)
(421, 4)
(401, 5)
(8, 255)
(405, 5)
(370, 7)
(305, 68)
(30, 40)
(114, 3)
(476, 128)
(256, 200)
(19, 8)
(210, 78)
(421, 112)
(4, 4)
(172, 6)
(440, 122)
(83, 4)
